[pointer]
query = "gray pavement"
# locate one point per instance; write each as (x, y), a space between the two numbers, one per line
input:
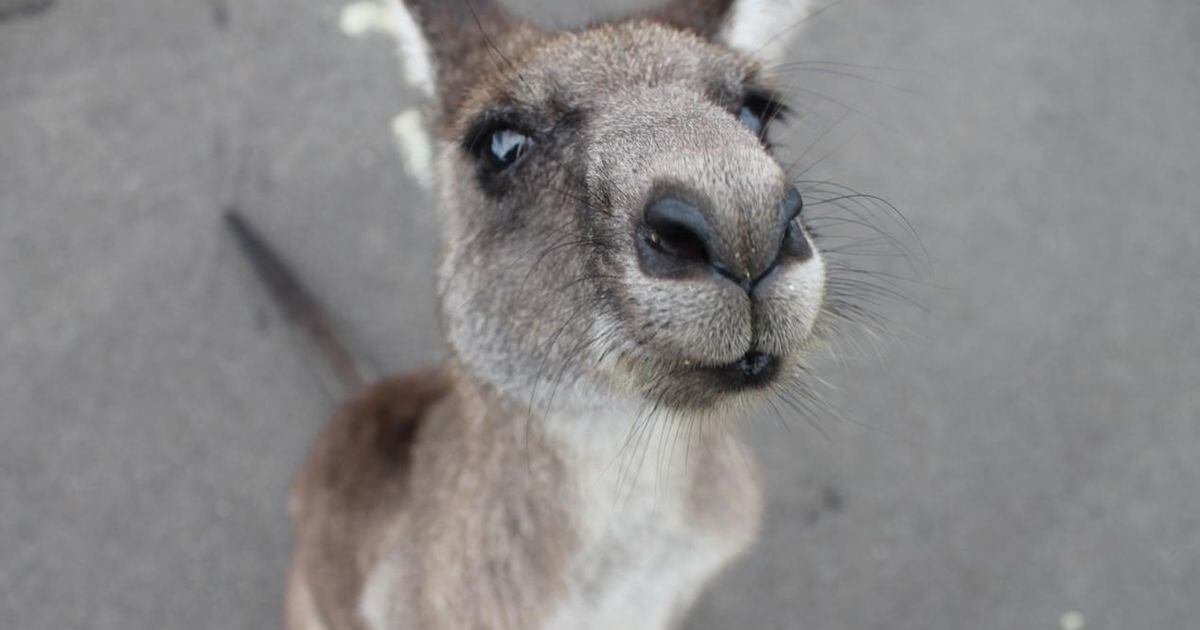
(1027, 447)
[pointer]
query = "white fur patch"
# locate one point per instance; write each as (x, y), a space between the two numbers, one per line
(641, 560)
(763, 28)
(415, 146)
(375, 604)
(806, 284)
(360, 19)
(392, 18)
(412, 47)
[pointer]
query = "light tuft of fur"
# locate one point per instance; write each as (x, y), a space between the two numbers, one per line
(412, 48)
(762, 28)
(410, 132)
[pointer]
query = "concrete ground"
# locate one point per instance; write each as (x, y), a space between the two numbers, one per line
(1026, 453)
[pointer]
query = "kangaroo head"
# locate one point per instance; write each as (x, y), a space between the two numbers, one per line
(616, 222)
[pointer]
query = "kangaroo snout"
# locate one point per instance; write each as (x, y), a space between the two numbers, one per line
(706, 257)
(677, 240)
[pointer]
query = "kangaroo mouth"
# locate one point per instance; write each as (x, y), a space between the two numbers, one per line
(755, 370)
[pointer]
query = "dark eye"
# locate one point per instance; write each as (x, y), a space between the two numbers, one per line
(758, 111)
(505, 147)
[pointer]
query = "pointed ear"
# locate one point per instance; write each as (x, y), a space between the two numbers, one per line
(760, 28)
(443, 44)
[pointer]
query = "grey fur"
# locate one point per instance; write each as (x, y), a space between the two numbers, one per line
(481, 496)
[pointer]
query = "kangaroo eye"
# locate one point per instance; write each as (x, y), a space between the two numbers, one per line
(506, 147)
(758, 111)
(497, 144)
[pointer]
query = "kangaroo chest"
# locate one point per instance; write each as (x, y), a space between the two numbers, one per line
(652, 532)
(639, 567)
(649, 527)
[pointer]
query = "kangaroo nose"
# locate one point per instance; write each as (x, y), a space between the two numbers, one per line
(677, 240)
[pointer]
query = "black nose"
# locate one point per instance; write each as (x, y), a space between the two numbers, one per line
(677, 240)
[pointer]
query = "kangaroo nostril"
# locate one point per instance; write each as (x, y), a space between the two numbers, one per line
(678, 242)
(795, 242)
(792, 204)
(676, 227)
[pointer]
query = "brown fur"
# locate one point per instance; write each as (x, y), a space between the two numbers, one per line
(347, 496)
(364, 494)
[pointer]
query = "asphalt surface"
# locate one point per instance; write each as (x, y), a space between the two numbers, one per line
(1024, 454)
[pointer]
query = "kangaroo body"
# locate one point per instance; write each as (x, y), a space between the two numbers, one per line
(423, 506)
(624, 272)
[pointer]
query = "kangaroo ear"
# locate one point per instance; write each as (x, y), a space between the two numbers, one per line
(443, 42)
(761, 28)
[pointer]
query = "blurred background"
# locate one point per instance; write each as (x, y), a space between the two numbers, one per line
(1022, 451)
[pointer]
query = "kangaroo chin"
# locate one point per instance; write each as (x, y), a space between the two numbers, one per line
(625, 269)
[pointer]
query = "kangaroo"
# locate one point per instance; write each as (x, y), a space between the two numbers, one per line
(625, 269)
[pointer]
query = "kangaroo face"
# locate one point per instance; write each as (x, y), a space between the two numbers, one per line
(617, 221)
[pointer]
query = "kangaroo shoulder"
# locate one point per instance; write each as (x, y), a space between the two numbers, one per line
(367, 446)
